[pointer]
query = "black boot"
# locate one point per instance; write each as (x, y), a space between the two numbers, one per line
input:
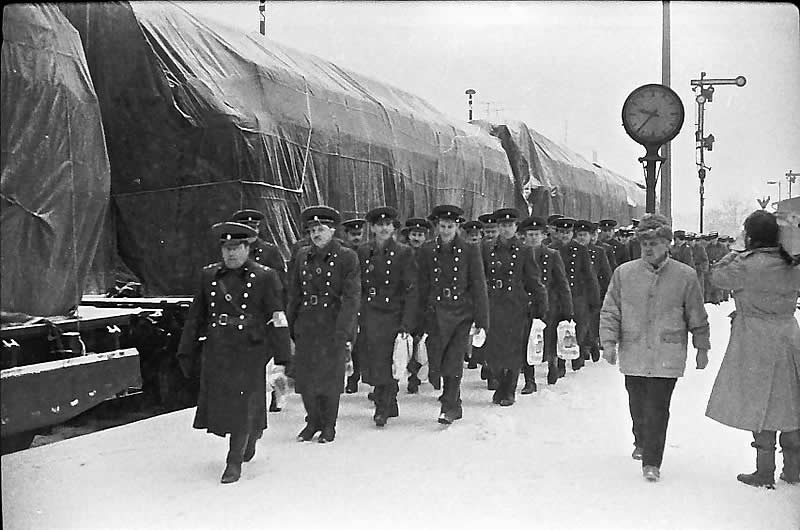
(530, 384)
(485, 372)
(562, 368)
(352, 384)
(413, 384)
(790, 445)
(764, 475)
(552, 372)
(233, 467)
(435, 380)
(578, 363)
(313, 420)
(595, 352)
(329, 411)
(509, 387)
(380, 406)
(451, 400)
(392, 410)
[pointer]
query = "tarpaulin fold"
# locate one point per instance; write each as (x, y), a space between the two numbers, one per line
(54, 185)
(202, 119)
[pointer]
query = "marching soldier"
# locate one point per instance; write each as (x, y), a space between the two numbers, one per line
(680, 249)
(238, 307)
(700, 257)
(324, 294)
(388, 307)
(472, 231)
(559, 297)
(607, 236)
(353, 232)
(489, 227)
(513, 283)
(597, 255)
(608, 249)
(582, 283)
(418, 229)
(715, 251)
(551, 230)
(266, 254)
(453, 288)
(634, 248)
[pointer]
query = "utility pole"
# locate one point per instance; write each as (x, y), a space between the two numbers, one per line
(470, 92)
(791, 177)
(666, 149)
(262, 9)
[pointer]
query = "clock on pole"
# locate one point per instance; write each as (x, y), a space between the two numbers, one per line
(652, 116)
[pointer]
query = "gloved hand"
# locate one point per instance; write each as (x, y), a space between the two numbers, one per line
(701, 359)
(610, 352)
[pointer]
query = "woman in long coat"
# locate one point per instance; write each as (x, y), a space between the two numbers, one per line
(758, 385)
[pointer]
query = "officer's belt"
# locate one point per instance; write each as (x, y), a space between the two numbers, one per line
(319, 300)
(497, 284)
(224, 319)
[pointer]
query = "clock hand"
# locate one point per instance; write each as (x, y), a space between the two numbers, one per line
(643, 123)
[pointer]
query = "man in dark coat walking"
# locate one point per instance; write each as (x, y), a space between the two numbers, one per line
(388, 307)
(582, 283)
(353, 232)
(597, 256)
(417, 236)
(238, 307)
(607, 236)
(453, 288)
(324, 295)
(680, 250)
(515, 290)
(559, 298)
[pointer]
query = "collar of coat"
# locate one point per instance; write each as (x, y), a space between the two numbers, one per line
(456, 242)
(332, 246)
(390, 245)
(221, 269)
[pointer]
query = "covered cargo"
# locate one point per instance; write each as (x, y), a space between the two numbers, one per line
(55, 179)
(202, 119)
(562, 181)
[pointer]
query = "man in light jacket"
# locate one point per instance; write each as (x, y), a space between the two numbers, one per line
(651, 305)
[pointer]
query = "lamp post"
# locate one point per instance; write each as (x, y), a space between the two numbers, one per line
(778, 182)
(702, 142)
(469, 92)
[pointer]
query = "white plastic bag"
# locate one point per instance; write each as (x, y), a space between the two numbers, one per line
(478, 337)
(422, 357)
(277, 382)
(567, 341)
(403, 348)
(536, 341)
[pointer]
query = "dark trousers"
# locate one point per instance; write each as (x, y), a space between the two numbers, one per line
(322, 410)
(386, 398)
(649, 399)
(451, 394)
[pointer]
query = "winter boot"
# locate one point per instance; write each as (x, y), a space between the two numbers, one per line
(413, 384)
(380, 406)
(764, 475)
(232, 473)
(329, 412)
(313, 420)
(530, 384)
(552, 372)
(562, 368)
(233, 468)
(790, 445)
(352, 384)
(485, 372)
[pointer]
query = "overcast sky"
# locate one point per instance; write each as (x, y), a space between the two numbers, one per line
(566, 68)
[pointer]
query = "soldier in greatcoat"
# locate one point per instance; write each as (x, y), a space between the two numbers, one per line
(453, 297)
(489, 227)
(559, 298)
(700, 257)
(582, 283)
(607, 236)
(715, 251)
(389, 305)
(238, 308)
(514, 286)
(608, 249)
(353, 232)
(418, 229)
(267, 254)
(680, 250)
(324, 294)
(583, 235)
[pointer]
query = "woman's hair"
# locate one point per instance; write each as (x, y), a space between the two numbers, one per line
(762, 228)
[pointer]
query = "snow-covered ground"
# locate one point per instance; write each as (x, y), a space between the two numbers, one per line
(557, 459)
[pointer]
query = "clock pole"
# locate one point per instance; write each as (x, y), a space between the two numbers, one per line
(649, 160)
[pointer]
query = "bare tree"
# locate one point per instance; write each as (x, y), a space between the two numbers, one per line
(728, 217)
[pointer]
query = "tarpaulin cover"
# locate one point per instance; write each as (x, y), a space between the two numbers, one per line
(562, 181)
(202, 120)
(55, 172)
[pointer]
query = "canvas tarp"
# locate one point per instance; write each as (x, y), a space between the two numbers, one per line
(202, 120)
(55, 172)
(562, 181)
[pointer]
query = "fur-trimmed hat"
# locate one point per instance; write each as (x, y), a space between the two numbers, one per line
(654, 225)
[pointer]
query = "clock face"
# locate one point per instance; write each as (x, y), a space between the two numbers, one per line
(652, 114)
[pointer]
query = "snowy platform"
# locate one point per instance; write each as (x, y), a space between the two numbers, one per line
(557, 459)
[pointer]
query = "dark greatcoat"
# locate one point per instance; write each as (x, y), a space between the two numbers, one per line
(583, 285)
(621, 254)
(682, 252)
(453, 296)
(610, 256)
(236, 350)
(602, 267)
(559, 297)
(715, 252)
(324, 293)
(389, 304)
(634, 249)
(267, 254)
(513, 282)
(700, 263)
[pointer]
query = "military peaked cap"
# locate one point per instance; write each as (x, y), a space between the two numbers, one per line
(234, 232)
(314, 215)
(552, 218)
(248, 216)
(379, 214)
(606, 224)
(353, 224)
(505, 214)
(487, 219)
(418, 223)
(532, 223)
(472, 226)
(563, 222)
(447, 211)
(582, 225)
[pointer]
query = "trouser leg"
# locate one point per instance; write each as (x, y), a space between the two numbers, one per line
(451, 395)
(790, 445)
(236, 446)
(512, 377)
(658, 391)
(634, 386)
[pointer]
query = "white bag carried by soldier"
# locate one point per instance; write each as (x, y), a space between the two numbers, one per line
(422, 357)
(536, 341)
(403, 348)
(478, 338)
(567, 341)
(277, 382)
